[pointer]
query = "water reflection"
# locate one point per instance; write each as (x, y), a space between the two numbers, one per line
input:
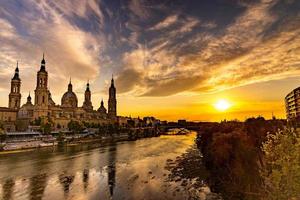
(111, 169)
(128, 170)
(37, 186)
(66, 181)
(8, 188)
(85, 179)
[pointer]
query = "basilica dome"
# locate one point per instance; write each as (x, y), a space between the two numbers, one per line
(26, 111)
(69, 99)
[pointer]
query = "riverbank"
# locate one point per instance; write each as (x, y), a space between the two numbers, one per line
(189, 170)
(25, 146)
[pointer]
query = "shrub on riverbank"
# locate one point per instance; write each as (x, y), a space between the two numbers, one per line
(232, 153)
(281, 170)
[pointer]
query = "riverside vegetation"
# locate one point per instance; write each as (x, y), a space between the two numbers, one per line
(255, 159)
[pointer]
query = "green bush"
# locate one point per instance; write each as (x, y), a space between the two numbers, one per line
(281, 170)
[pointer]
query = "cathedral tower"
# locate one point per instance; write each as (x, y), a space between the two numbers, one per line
(41, 91)
(112, 101)
(15, 95)
(87, 104)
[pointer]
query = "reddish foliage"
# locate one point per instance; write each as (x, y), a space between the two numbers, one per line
(232, 154)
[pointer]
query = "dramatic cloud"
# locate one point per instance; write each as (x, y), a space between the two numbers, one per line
(168, 21)
(256, 46)
(154, 48)
(69, 50)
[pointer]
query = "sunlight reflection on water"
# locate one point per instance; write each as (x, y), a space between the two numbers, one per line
(127, 170)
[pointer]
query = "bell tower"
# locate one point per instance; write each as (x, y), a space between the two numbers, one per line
(41, 91)
(112, 101)
(15, 95)
(87, 104)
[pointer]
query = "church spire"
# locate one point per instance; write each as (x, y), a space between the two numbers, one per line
(70, 87)
(112, 101)
(88, 86)
(15, 88)
(17, 68)
(16, 75)
(29, 98)
(112, 79)
(87, 104)
(43, 64)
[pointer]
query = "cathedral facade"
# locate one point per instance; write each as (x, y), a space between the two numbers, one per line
(45, 108)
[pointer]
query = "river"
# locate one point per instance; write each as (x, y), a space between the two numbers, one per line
(142, 169)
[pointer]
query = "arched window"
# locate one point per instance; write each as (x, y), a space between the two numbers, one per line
(43, 99)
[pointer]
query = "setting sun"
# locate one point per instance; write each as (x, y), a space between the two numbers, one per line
(222, 105)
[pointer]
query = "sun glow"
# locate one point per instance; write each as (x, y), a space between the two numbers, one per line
(222, 105)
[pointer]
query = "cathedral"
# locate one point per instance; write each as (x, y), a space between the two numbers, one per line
(45, 108)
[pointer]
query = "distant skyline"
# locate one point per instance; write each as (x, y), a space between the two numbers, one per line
(171, 59)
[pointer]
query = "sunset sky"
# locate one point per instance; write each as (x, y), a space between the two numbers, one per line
(170, 58)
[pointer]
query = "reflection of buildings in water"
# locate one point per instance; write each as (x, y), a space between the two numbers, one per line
(86, 172)
(38, 184)
(66, 181)
(111, 178)
(67, 176)
(8, 189)
(111, 169)
(85, 178)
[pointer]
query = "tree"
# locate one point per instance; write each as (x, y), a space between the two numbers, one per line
(110, 129)
(22, 125)
(102, 130)
(281, 172)
(131, 123)
(60, 138)
(2, 133)
(75, 126)
(46, 128)
(37, 121)
(86, 124)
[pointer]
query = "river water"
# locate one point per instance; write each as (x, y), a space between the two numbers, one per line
(126, 170)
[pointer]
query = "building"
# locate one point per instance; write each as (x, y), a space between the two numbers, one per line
(44, 108)
(151, 121)
(182, 122)
(112, 101)
(8, 115)
(292, 104)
